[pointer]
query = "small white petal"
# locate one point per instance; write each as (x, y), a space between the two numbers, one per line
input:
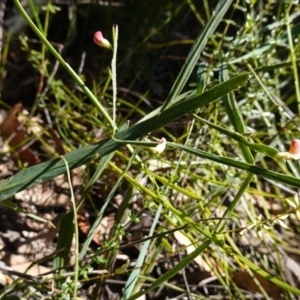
(160, 146)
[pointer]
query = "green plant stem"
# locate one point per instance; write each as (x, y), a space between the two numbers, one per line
(66, 66)
(114, 74)
(76, 267)
(195, 52)
(292, 53)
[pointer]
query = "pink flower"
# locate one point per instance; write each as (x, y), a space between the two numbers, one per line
(295, 149)
(101, 41)
(293, 153)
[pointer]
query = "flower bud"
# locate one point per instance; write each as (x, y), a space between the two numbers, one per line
(295, 149)
(160, 146)
(101, 41)
(293, 153)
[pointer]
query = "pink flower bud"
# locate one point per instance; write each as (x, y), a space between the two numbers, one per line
(295, 149)
(101, 41)
(293, 153)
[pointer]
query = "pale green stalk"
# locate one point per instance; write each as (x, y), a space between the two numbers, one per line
(76, 266)
(66, 66)
(114, 75)
(292, 53)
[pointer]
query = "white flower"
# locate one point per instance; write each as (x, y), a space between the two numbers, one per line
(160, 146)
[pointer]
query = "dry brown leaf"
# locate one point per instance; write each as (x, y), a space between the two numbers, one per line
(245, 281)
(102, 230)
(54, 193)
(5, 279)
(43, 195)
(83, 224)
(58, 142)
(12, 131)
(19, 263)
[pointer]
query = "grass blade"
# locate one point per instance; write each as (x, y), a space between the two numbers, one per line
(64, 242)
(195, 52)
(50, 169)
(285, 179)
(65, 65)
(182, 264)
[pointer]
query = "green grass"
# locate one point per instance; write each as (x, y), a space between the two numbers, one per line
(227, 112)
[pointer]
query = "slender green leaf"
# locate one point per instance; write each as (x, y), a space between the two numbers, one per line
(242, 140)
(17, 208)
(50, 169)
(234, 115)
(64, 242)
(101, 212)
(133, 277)
(65, 65)
(292, 181)
(195, 52)
(181, 265)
